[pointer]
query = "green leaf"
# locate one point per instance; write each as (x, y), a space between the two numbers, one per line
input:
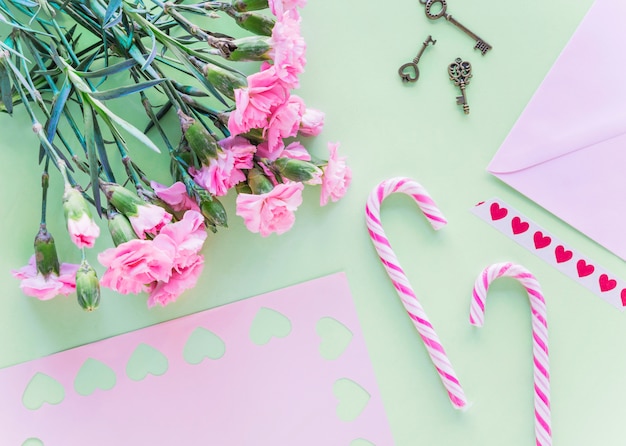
(90, 139)
(5, 89)
(107, 71)
(112, 8)
(26, 3)
(59, 102)
(102, 153)
(103, 111)
(119, 92)
(197, 74)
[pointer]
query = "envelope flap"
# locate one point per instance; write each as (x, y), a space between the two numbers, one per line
(582, 100)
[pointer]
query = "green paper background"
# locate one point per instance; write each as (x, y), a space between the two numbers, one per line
(387, 129)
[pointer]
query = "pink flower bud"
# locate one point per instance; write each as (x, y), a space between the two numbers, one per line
(83, 230)
(312, 122)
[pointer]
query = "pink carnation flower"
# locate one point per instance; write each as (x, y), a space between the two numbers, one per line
(284, 122)
(83, 231)
(312, 122)
(255, 102)
(175, 196)
(164, 292)
(272, 211)
(336, 178)
(288, 49)
(165, 266)
(150, 218)
(220, 175)
(44, 288)
(224, 172)
(186, 237)
(242, 150)
(136, 263)
(294, 150)
(279, 7)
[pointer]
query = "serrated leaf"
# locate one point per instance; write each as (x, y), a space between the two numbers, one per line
(119, 92)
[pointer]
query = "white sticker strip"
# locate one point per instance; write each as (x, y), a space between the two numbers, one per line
(547, 247)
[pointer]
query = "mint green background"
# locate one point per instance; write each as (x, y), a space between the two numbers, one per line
(386, 129)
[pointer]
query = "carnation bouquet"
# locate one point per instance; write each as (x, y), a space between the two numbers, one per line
(68, 63)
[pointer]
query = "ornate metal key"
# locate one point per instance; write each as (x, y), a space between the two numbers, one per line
(480, 43)
(460, 72)
(409, 71)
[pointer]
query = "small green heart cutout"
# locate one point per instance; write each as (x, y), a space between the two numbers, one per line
(146, 360)
(352, 399)
(268, 324)
(202, 344)
(32, 442)
(94, 375)
(335, 338)
(42, 389)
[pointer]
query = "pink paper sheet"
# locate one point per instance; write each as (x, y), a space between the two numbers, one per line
(282, 392)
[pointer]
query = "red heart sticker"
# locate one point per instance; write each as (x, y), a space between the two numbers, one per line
(606, 284)
(623, 294)
(497, 212)
(541, 241)
(519, 226)
(584, 269)
(562, 255)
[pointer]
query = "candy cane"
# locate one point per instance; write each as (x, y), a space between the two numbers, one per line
(401, 282)
(543, 432)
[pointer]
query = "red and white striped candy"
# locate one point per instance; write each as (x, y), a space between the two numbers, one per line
(401, 282)
(543, 432)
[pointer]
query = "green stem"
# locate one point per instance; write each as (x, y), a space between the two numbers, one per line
(44, 193)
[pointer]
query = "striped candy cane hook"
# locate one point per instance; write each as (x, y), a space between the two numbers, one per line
(401, 282)
(543, 432)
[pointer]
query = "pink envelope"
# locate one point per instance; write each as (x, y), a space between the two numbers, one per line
(567, 151)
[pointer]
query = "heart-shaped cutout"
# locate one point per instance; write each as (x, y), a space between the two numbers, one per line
(606, 284)
(623, 296)
(33, 442)
(202, 344)
(540, 240)
(42, 389)
(562, 255)
(361, 442)
(146, 360)
(94, 375)
(268, 324)
(352, 399)
(584, 269)
(518, 226)
(335, 338)
(409, 72)
(497, 212)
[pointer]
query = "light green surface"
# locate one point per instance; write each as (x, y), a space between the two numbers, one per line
(389, 129)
